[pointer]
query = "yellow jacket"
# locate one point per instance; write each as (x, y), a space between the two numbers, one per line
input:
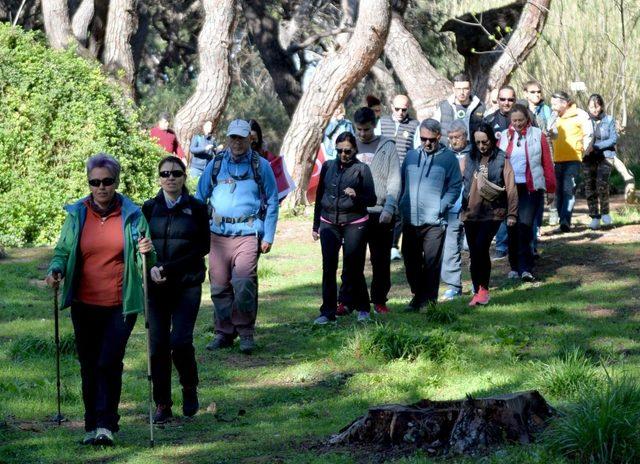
(573, 135)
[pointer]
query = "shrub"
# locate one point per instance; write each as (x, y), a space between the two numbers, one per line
(57, 110)
(441, 314)
(602, 426)
(567, 376)
(29, 346)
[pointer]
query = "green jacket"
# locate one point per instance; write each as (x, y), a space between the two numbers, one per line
(65, 255)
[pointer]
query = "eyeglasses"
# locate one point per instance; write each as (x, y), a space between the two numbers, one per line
(482, 142)
(177, 173)
(107, 182)
(507, 99)
(346, 151)
(429, 139)
(401, 110)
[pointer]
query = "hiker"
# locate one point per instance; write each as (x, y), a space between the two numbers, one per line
(500, 121)
(340, 218)
(572, 132)
(462, 105)
(165, 137)
(401, 128)
(179, 227)
(379, 153)
(490, 196)
(597, 164)
(431, 184)
(451, 273)
(337, 125)
(529, 154)
(203, 149)
(97, 255)
(284, 182)
(240, 189)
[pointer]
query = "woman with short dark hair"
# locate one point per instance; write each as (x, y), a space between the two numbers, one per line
(179, 226)
(345, 190)
(98, 255)
(489, 196)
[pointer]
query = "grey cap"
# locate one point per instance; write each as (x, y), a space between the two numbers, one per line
(239, 127)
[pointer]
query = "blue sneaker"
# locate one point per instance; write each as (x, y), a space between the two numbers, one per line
(451, 293)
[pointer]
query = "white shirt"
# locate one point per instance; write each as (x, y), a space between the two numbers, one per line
(518, 160)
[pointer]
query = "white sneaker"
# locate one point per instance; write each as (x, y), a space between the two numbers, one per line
(594, 224)
(606, 220)
(395, 254)
(513, 275)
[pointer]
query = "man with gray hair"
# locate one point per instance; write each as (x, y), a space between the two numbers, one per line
(451, 274)
(431, 184)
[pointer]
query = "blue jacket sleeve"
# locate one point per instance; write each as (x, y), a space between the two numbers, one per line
(454, 186)
(197, 148)
(610, 141)
(271, 192)
(203, 191)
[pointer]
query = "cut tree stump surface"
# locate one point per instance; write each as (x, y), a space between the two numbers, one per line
(461, 427)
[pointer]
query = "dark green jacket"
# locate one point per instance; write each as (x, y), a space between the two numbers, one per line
(65, 255)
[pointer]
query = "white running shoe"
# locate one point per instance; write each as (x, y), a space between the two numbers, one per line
(395, 254)
(513, 275)
(594, 224)
(607, 220)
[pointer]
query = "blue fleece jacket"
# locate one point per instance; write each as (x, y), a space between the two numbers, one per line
(236, 195)
(431, 184)
(605, 136)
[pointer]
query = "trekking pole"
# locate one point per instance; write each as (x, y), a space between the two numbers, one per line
(59, 418)
(146, 326)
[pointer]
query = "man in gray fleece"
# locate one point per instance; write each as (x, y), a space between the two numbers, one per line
(380, 154)
(431, 184)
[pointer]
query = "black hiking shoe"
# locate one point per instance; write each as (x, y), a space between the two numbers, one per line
(220, 341)
(190, 403)
(247, 344)
(163, 414)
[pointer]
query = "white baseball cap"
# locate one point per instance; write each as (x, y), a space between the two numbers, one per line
(239, 127)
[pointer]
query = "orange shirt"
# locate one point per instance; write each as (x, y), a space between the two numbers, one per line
(102, 259)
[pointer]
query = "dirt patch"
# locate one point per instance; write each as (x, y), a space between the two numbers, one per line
(596, 311)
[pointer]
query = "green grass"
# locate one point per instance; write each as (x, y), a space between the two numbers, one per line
(305, 383)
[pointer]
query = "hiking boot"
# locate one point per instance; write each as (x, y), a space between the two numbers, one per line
(414, 306)
(104, 437)
(527, 277)
(220, 341)
(513, 275)
(190, 403)
(89, 438)
(594, 224)
(381, 308)
(451, 294)
(323, 320)
(395, 254)
(247, 344)
(498, 255)
(363, 316)
(342, 310)
(163, 414)
(607, 220)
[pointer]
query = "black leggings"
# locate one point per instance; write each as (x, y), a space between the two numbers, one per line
(479, 237)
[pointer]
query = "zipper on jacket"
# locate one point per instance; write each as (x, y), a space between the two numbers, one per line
(340, 172)
(167, 231)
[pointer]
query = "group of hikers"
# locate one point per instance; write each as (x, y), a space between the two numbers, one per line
(465, 172)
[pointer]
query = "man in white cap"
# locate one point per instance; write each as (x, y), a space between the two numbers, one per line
(240, 189)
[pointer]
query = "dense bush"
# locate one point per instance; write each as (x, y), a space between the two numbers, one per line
(57, 110)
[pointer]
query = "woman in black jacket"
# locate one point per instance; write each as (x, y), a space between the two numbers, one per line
(345, 190)
(179, 226)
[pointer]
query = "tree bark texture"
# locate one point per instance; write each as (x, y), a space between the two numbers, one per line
(425, 86)
(214, 79)
(334, 78)
(81, 21)
(117, 56)
(56, 23)
(263, 30)
(461, 427)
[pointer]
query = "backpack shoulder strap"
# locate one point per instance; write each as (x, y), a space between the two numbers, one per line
(217, 163)
(257, 176)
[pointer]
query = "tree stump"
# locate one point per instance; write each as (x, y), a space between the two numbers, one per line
(462, 426)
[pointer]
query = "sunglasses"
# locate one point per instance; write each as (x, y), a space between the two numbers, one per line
(177, 173)
(107, 182)
(346, 151)
(507, 99)
(401, 109)
(429, 139)
(535, 91)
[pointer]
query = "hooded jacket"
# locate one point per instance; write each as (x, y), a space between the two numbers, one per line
(572, 135)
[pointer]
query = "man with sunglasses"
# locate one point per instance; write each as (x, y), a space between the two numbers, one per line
(431, 184)
(240, 188)
(401, 128)
(540, 111)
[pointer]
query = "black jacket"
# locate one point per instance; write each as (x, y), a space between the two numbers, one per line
(331, 201)
(180, 237)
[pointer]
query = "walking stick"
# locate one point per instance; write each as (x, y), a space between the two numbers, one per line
(146, 326)
(59, 418)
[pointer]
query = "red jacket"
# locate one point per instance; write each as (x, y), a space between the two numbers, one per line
(167, 140)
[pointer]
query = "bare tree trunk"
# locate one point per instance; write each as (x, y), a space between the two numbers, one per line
(214, 80)
(425, 86)
(524, 38)
(117, 55)
(385, 79)
(334, 78)
(82, 20)
(56, 23)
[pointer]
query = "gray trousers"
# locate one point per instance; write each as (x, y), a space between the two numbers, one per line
(451, 273)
